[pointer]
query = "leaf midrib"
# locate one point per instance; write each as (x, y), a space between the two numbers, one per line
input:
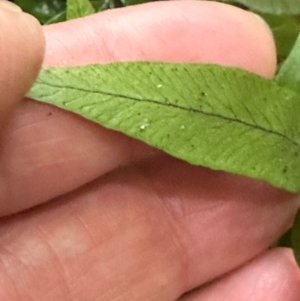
(175, 106)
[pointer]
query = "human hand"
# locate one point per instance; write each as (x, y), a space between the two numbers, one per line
(123, 221)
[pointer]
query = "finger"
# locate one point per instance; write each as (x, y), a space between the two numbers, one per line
(50, 152)
(169, 31)
(272, 276)
(151, 231)
(18, 70)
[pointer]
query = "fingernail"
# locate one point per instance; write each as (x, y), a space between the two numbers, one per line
(10, 6)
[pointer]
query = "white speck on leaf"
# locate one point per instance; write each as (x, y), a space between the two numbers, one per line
(144, 124)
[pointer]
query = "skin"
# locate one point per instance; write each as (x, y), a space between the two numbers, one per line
(89, 214)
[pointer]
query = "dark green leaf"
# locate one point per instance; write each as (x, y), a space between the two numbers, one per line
(219, 117)
(285, 240)
(133, 2)
(295, 237)
(102, 5)
(289, 73)
(60, 17)
(43, 10)
(277, 7)
(285, 30)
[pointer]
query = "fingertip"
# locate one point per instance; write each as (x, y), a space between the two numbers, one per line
(184, 31)
(272, 275)
(10, 6)
(261, 43)
(21, 54)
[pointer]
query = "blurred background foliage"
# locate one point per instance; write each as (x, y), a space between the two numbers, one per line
(285, 27)
(53, 11)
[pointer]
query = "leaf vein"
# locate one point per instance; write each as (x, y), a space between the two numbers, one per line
(177, 107)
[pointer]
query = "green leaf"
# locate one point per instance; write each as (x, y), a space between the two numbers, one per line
(277, 7)
(220, 117)
(60, 17)
(295, 237)
(43, 10)
(289, 73)
(133, 2)
(79, 9)
(285, 240)
(101, 5)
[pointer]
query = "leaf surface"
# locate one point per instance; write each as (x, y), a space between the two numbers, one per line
(277, 7)
(285, 31)
(219, 117)
(60, 17)
(295, 237)
(289, 73)
(79, 9)
(43, 10)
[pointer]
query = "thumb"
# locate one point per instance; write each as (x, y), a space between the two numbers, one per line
(21, 54)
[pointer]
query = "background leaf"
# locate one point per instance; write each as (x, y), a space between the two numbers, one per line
(79, 9)
(219, 117)
(102, 5)
(289, 73)
(295, 237)
(276, 7)
(43, 10)
(285, 30)
(134, 2)
(285, 240)
(60, 17)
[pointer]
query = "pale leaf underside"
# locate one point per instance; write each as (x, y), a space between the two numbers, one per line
(219, 117)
